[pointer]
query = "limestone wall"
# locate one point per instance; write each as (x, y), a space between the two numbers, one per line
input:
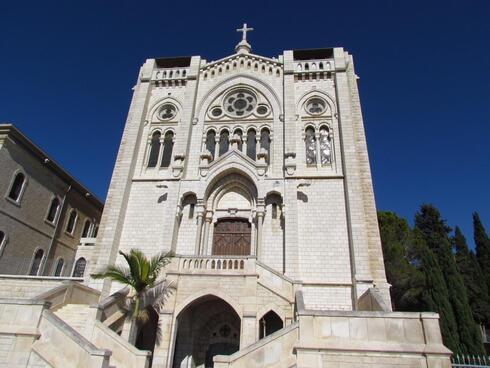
(26, 287)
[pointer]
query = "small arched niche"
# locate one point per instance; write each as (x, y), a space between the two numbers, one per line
(269, 324)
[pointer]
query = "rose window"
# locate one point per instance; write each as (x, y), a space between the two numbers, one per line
(316, 106)
(240, 103)
(167, 112)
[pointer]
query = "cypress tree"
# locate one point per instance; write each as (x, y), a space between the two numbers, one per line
(436, 235)
(407, 282)
(482, 243)
(473, 279)
(435, 296)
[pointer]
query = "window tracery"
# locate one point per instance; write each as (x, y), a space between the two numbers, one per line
(240, 103)
(154, 149)
(167, 112)
(310, 145)
(168, 145)
(316, 106)
(325, 146)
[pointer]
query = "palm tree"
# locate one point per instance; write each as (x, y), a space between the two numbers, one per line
(141, 276)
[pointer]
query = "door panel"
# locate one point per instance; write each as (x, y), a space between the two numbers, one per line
(232, 238)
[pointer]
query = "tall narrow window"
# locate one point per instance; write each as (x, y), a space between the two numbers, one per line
(95, 231)
(53, 209)
(251, 144)
(86, 228)
(72, 220)
(325, 146)
(79, 268)
(310, 145)
(154, 149)
(211, 142)
(224, 142)
(36, 262)
(16, 188)
(168, 146)
(265, 142)
(59, 267)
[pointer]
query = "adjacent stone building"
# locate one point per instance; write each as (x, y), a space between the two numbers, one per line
(44, 212)
(254, 171)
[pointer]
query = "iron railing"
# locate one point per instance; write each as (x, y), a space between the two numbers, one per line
(470, 361)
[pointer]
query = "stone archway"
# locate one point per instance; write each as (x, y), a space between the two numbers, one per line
(209, 326)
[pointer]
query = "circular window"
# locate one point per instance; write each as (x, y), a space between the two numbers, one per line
(167, 112)
(240, 103)
(216, 112)
(262, 110)
(316, 106)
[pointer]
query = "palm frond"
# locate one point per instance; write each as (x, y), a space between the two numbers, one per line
(157, 262)
(117, 273)
(156, 296)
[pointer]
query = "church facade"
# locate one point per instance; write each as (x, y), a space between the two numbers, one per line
(254, 171)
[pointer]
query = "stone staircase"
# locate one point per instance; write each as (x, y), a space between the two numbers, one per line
(79, 317)
(72, 327)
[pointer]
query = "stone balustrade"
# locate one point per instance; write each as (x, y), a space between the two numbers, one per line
(217, 264)
(166, 74)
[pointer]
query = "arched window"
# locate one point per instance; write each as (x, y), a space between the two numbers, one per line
(265, 142)
(269, 324)
(16, 188)
(310, 145)
(154, 149)
(224, 142)
(72, 221)
(36, 262)
(239, 133)
(53, 209)
(251, 144)
(211, 142)
(59, 267)
(86, 228)
(79, 268)
(168, 146)
(325, 146)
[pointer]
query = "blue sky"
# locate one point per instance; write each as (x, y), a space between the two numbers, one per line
(67, 69)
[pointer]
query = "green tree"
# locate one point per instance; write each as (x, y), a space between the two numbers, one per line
(435, 296)
(473, 278)
(436, 235)
(142, 276)
(407, 282)
(482, 243)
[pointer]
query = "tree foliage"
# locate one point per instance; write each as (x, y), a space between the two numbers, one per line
(473, 278)
(436, 235)
(482, 243)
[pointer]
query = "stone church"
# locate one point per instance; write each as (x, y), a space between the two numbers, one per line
(254, 171)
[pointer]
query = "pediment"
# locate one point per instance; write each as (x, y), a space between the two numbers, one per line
(234, 159)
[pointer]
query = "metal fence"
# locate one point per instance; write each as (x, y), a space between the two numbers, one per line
(470, 361)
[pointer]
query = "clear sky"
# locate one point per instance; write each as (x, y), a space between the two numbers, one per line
(67, 69)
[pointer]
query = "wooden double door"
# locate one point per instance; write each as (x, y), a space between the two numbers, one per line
(232, 237)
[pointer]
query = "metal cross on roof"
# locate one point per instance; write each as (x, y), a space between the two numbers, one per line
(244, 30)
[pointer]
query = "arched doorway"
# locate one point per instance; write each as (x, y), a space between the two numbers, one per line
(207, 327)
(232, 237)
(148, 333)
(269, 324)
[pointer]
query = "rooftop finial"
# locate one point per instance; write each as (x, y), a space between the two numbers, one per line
(243, 46)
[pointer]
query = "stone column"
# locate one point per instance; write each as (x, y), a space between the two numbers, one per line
(260, 219)
(317, 148)
(200, 215)
(257, 144)
(208, 219)
(216, 147)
